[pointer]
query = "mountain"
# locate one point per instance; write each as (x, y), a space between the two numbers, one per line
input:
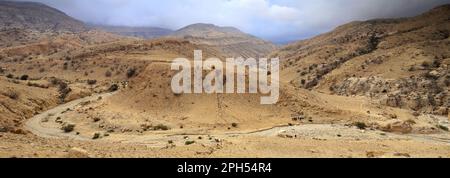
(139, 32)
(231, 41)
(36, 16)
(399, 62)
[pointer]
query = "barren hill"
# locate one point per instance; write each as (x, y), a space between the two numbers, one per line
(36, 16)
(231, 41)
(401, 62)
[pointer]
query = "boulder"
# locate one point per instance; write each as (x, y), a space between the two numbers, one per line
(398, 127)
(77, 153)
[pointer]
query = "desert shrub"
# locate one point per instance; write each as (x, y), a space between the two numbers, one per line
(113, 88)
(24, 77)
(161, 127)
(96, 136)
(360, 125)
(12, 94)
(63, 88)
(68, 128)
(96, 119)
(189, 142)
(131, 72)
(65, 66)
(426, 64)
(41, 70)
(92, 82)
(443, 128)
(2, 70)
(108, 73)
(10, 76)
(234, 125)
(436, 64)
(303, 81)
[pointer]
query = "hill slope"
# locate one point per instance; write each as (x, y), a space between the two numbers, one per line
(231, 41)
(36, 16)
(402, 62)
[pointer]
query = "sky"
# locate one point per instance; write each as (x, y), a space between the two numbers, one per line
(279, 21)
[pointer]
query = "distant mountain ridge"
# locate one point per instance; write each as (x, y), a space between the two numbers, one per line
(138, 32)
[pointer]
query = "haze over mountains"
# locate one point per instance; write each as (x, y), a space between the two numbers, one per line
(139, 32)
(376, 88)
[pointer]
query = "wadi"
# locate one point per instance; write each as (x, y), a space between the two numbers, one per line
(362, 89)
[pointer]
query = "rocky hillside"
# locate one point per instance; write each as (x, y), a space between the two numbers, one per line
(399, 62)
(231, 41)
(138, 32)
(36, 16)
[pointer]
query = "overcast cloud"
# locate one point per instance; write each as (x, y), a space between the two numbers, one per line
(275, 20)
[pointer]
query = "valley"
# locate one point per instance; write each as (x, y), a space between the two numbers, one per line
(376, 89)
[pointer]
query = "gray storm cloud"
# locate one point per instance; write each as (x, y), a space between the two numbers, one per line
(275, 20)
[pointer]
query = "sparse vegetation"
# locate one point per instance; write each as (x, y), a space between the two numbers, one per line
(96, 119)
(91, 82)
(113, 88)
(426, 64)
(12, 94)
(63, 88)
(108, 73)
(360, 125)
(131, 72)
(68, 128)
(443, 128)
(24, 77)
(96, 136)
(161, 127)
